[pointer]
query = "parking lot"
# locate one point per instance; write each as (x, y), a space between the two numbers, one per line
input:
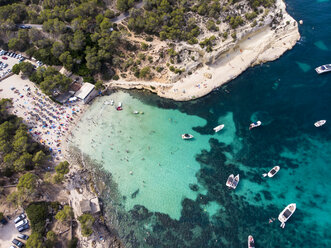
(10, 61)
(8, 232)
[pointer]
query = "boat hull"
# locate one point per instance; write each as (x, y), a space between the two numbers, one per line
(319, 123)
(251, 243)
(218, 128)
(276, 169)
(323, 68)
(285, 215)
(229, 181)
(187, 137)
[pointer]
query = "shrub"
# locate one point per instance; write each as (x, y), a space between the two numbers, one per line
(37, 213)
(62, 168)
(145, 72)
(86, 221)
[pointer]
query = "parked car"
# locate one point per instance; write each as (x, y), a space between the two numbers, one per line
(5, 58)
(17, 242)
(21, 223)
(23, 236)
(22, 215)
(23, 228)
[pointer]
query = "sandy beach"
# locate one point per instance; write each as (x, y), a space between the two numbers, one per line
(265, 44)
(47, 121)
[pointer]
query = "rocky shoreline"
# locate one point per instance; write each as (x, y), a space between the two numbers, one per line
(253, 46)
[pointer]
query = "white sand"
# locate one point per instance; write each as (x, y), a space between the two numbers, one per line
(265, 45)
(38, 103)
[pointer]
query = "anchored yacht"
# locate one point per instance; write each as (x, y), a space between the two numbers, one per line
(218, 128)
(251, 243)
(232, 181)
(286, 214)
(272, 172)
(255, 124)
(323, 68)
(187, 136)
(319, 123)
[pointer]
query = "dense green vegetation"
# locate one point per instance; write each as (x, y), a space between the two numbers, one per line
(38, 213)
(80, 34)
(61, 169)
(18, 151)
(65, 214)
(49, 79)
(86, 220)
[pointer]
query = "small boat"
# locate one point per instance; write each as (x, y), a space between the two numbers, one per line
(286, 214)
(323, 68)
(119, 107)
(319, 123)
(135, 112)
(232, 181)
(229, 181)
(187, 136)
(255, 124)
(235, 182)
(251, 243)
(272, 172)
(112, 102)
(218, 128)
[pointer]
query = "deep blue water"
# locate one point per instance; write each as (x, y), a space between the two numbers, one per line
(288, 96)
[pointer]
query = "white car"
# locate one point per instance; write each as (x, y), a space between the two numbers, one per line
(21, 223)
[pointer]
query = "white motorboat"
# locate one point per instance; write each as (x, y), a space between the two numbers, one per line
(286, 214)
(119, 107)
(218, 128)
(319, 123)
(229, 181)
(235, 182)
(255, 124)
(112, 102)
(272, 172)
(232, 181)
(323, 68)
(135, 112)
(187, 136)
(251, 243)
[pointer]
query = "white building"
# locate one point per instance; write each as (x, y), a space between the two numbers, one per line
(86, 93)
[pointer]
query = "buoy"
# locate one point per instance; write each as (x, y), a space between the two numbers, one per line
(301, 22)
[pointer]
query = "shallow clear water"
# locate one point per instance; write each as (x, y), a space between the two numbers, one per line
(168, 192)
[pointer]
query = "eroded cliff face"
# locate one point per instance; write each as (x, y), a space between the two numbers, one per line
(276, 20)
(227, 56)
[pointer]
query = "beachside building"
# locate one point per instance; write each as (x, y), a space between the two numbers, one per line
(86, 93)
(91, 206)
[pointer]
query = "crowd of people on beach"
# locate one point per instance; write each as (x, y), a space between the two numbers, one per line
(48, 122)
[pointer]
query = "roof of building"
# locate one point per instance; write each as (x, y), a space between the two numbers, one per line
(85, 206)
(95, 206)
(84, 91)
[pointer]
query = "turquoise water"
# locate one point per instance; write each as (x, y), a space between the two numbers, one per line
(167, 192)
